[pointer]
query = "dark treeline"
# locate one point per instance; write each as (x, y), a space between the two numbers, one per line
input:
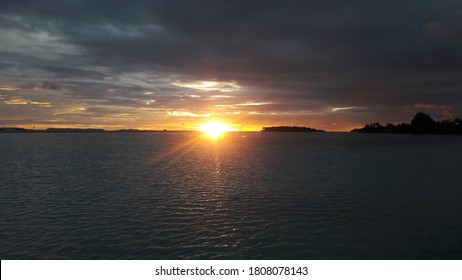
(420, 124)
(74, 130)
(290, 129)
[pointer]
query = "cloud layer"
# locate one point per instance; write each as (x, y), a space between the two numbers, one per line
(173, 64)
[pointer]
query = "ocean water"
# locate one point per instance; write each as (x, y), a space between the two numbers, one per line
(244, 196)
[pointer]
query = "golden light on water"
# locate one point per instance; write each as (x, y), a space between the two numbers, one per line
(215, 129)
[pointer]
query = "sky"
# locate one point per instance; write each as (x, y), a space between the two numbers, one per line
(147, 64)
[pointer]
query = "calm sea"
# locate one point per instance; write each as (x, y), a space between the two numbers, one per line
(245, 196)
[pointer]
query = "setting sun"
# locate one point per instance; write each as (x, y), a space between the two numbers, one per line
(215, 129)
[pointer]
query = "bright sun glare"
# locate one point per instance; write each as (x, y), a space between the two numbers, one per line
(214, 129)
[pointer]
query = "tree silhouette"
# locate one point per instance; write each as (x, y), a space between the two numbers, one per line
(422, 123)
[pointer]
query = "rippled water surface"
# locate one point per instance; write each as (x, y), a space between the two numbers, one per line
(245, 196)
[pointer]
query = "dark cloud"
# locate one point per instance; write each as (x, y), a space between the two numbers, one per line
(72, 72)
(45, 85)
(295, 55)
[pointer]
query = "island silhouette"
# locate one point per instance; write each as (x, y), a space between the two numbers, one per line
(290, 129)
(421, 124)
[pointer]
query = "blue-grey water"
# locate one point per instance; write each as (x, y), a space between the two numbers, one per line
(245, 196)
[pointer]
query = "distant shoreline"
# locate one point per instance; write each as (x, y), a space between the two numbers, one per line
(421, 124)
(81, 130)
